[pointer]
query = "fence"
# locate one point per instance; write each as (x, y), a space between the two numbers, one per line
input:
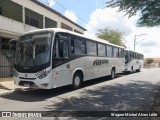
(6, 60)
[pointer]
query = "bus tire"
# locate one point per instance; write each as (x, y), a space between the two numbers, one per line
(131, 71)
(112, 76)
(138, 70)
(77, 81)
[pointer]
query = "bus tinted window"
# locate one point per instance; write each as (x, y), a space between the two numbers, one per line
(130, 54)
(115, 52)
(123, 53)
(134, 55)
(60, 49)
(120, 53)
(101, 50)
(138, 56)
(91, 48)
(65, 52)
(77, 46)
(109, 51)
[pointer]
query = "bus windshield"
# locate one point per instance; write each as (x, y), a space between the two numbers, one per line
(34, 50)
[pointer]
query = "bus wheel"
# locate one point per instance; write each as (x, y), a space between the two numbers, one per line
(131, 71)
(112, 73)
(139, 69)
(77, 81)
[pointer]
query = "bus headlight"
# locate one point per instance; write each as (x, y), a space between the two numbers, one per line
(43, 75)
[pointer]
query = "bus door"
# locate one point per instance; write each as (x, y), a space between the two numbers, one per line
(60, 61)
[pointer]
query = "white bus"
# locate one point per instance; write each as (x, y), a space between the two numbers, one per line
(50, 58)
(133, 61)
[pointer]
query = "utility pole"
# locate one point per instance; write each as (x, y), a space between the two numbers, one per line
(135, 40)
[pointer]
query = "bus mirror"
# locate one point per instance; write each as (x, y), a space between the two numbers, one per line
(12, 44)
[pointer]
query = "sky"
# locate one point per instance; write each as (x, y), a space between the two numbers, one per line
(97, 16)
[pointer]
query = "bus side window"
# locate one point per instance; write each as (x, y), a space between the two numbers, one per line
(109, 51)
(91, 48)
(72, 45)
(77, 46)
(56, 48)
(130, 54)
(101, 50)
(63, 49)
(115, 52)
(123, 53)
(120, 52)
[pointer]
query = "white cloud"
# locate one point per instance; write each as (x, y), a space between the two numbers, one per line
(71, 15)
(148, 44)
(51, 3)
(109, 17)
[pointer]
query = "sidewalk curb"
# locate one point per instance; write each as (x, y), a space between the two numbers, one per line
(5, 79)
(10, 91)
(3, 87)
(6, 92)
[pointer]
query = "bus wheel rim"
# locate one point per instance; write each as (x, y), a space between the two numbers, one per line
(77, 81)
(112, 73)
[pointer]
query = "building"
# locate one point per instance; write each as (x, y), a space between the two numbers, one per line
(155, 64)
(19, 16)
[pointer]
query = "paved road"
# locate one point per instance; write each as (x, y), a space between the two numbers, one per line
(127, 92)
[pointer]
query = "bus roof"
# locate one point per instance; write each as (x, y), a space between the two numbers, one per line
(54, 30)
(132, 51)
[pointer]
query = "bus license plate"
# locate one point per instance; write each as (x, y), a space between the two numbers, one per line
(26, 85)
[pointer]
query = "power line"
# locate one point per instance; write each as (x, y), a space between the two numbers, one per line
(75, 15)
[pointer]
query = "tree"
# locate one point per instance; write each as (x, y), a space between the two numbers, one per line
(149, 61)
(149, 9)
(113, 36)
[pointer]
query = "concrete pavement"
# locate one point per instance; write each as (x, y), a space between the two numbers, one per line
(131, 92)
(157, 102)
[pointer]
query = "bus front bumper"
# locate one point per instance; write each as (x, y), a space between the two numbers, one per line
(37, 83)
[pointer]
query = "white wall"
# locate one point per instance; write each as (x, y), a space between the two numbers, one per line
(12, 29)
(33, 6)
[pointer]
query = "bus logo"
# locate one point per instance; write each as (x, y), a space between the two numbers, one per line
(26, 68)
(100, 62)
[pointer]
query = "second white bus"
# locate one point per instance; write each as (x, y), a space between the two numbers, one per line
(133, 61)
